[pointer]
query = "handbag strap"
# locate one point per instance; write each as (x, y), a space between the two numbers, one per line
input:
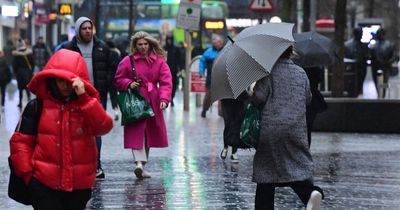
(28, 63)
(133, 68)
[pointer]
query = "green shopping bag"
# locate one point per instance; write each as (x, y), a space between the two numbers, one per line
(133, 106)
(250, 128)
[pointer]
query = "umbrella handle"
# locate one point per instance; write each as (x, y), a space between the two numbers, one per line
(230, 39)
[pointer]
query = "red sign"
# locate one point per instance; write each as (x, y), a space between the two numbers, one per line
(198, 84)
(261, 6)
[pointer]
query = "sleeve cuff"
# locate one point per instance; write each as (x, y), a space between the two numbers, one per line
(83, 98)
(164, 100)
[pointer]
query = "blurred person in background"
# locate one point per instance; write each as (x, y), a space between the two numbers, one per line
(23, 64)
(173, 61)
(8, 49)
(116, 55)
(5, 78)
(383, 54)
(359, 52)
(63, 40)
(205, 68)
(41, 54)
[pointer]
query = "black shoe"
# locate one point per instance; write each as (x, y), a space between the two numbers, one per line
(19, 105)
(172, 104)
(203, 114)
(100, 174)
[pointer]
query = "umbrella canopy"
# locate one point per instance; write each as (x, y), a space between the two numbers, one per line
(314, 49)
(249, 57)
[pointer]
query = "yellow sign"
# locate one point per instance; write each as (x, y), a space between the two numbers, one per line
(65, 9)
(214, 24)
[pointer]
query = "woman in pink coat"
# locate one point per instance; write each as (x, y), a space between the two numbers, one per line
(155, 84)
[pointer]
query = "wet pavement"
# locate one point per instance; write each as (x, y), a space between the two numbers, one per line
(356, 171)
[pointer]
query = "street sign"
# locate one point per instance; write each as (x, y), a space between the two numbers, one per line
(261, 6)
(189, 15)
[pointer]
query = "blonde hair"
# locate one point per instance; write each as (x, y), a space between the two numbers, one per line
(154, 45)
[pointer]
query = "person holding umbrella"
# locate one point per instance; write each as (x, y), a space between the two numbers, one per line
(206, 62)
(283, 157)
(359, 52)
(262, 54)
(382, 56)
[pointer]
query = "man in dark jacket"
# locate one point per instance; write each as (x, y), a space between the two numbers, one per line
(100, 64)
(173, 61)
(359, 52)
(382, 56)
(41, 53)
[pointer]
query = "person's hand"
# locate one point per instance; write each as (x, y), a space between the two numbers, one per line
(163, 105)
(134, 85)
(78, 86)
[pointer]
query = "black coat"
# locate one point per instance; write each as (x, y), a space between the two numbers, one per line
(104, 65)
(315, 76)
(23, 67)
(5, 73)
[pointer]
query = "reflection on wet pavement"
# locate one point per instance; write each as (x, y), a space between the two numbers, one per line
(356, 171)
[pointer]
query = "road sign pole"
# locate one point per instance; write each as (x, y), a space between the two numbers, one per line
(186, 90)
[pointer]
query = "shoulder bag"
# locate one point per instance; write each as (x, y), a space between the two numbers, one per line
(17, 189)
(250, 128)
(133, 106)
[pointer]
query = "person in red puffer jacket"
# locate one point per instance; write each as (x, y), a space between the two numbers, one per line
(57, 154)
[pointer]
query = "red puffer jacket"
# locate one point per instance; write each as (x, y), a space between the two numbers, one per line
(64, 154)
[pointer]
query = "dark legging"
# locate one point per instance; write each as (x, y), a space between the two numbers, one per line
(103, 99)
(265, 193)
(310, 117)
(175, 83)
(233, 114)
(3, 93)
(207, 100)
(113, 97)
(28, 93)
(385, 70)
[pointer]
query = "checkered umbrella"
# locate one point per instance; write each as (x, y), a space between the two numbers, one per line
(249, 57)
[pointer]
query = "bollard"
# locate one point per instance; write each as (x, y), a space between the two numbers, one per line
(198, 100)
(326, 78)
(379, 83)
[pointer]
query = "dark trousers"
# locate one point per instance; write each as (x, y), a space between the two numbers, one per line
(310, 117)
(175, 83)
(361, 69)
(3, 93)
(265, 193)
(21, 91)
(385, 69)
(207, 100)
(113, 97)
(103, 99)
(44, 198)
(233, 114)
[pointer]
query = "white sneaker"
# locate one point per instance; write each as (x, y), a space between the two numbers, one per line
(146, 174)
(116, 116)
(314, 203)
(223, 154)
(234, 158)
(139, 170)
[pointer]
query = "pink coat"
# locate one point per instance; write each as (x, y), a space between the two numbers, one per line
(155, 86)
